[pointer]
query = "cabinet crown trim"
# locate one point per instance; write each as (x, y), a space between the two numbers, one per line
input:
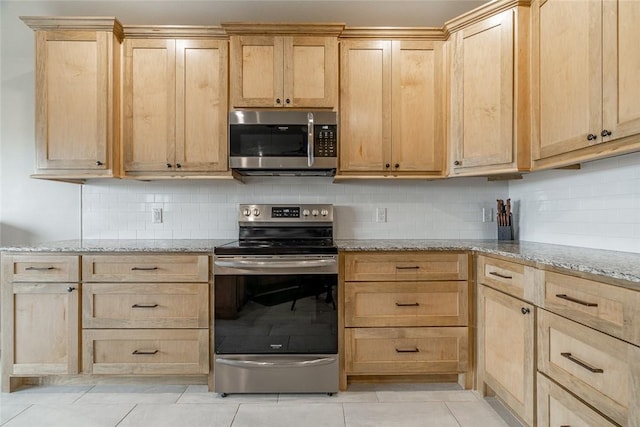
(61, 23)
(177, 31)
(419, 33)
(481, 13)
(275, 28)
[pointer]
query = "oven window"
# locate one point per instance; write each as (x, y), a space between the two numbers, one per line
(268, 141)
(276, 314)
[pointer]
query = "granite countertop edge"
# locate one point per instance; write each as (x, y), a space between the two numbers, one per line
(624, 266)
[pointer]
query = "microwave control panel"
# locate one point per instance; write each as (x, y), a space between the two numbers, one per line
(326, 141)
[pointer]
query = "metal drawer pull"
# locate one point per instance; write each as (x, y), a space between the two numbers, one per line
(136, 352)
(414, 267)
(39, 268)
(407, 304)
(581, 363)
(577, 301)
(144, 305)
(407, 350)
(143, 268)
(502, 276)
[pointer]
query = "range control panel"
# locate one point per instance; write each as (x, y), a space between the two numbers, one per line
(286, 213)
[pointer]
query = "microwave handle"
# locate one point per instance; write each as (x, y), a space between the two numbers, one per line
(310, 140)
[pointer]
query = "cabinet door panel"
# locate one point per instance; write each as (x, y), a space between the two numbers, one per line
(365, 105)
(417, 122)
(310, 71)
(201, 112)
(149, 105)
(256, 71)
(568, 62)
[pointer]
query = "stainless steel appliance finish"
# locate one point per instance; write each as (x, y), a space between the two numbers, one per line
(283, 142)
(275, 302)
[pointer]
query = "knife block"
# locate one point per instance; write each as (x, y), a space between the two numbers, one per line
(505, 232)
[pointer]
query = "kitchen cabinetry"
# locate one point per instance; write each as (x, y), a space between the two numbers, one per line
(175, 104)
(77, 96)
(405, 313)
(585, 92)
(489, 109)
(146, 314)
(40, 316)
(391, 107)
(506, 334)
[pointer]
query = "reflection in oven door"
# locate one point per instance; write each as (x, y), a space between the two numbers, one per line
(276, 314)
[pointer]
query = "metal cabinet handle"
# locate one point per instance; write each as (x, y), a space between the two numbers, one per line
(413, 267)
(387, 165)
(407, 350)
(138, 352)
(457, 163)
(288, 101)
(278, 101)
(169, 165)
(71, 289)
(591, 137)
(178, 165)
(577, 301)
(143, 268)
(144, 305)
(525, 310)
(98, 163)
(407, 304)
(397, 165)
(605, 133)
(581, 363)
(502, 276)
(39, 268)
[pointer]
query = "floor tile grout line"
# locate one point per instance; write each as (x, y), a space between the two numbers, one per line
(446, 405)
(126, 415)
(30, 405)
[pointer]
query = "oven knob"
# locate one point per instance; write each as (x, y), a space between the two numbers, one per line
(256, 212)
(315, 212)
(246, 212)
(305, 212)
(324, 212)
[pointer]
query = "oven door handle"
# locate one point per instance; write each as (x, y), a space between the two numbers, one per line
(275, 264)
(277, 364)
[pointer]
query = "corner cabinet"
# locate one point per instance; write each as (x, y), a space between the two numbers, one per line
(585, 88)
(77, 96)
(175, 104)
(391, 106)
(489, 109)
(281, 65)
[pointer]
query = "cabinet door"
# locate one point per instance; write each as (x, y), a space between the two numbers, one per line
(567, 75)
(256, 71)
(72, 99)
(506, 330)
(482, 93)
(416, 106)
(310, 71)
(149, 105)
(365, 105)
(42, 330)
(621, 67)
(201, 110)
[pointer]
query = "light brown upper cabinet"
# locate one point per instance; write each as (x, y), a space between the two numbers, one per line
(77, 96)
(175, 106)
(291, 66)
(489, 110)
(391, 108)
(585, 93)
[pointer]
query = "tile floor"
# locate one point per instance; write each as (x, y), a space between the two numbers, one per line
(401, 405)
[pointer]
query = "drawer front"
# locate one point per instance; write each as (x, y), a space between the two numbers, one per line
(40, 268)
(502, 275)
(599, 369)
(145, 268)
(406, 304)
(377, 351)
(558, 407)
(145, 305)
(145, 351)
(610, 309)
(405, 266)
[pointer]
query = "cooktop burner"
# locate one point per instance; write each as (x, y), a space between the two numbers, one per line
(274, 247)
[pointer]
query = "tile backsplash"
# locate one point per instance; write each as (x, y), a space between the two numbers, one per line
(443, 209)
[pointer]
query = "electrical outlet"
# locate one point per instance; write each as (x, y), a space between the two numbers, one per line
(156, 215)
(381, 214)
(487, 214)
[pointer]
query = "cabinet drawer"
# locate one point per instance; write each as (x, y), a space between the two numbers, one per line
(145, 305)
(610, 309)
(405, 266)
(406, 304)
(376, 351)
(558, 407)
(601, 370)
(145, 268)
(145, 351)
(502, 275)
(40, 268)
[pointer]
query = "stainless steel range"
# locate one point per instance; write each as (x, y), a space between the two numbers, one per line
(276, 322)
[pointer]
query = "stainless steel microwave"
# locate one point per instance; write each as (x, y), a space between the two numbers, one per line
(283, 142)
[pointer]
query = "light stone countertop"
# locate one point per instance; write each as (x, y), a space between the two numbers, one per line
(623, 266)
